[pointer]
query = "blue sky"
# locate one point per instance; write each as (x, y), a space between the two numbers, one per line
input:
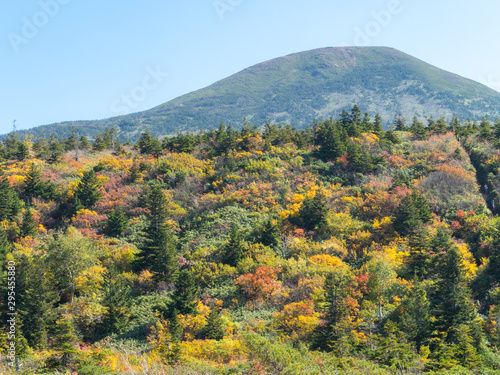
(65, 60)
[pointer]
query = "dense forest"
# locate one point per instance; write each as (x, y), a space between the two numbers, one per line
(341, 248)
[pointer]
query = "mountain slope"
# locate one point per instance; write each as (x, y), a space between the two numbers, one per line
(315, 84)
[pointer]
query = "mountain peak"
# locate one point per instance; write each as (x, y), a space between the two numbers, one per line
(319, 83)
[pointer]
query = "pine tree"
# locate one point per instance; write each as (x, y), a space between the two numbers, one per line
(33, 184)
(116, 300)
(413, 211)
(418, 129)
(84, 143)
(23, 151)
(400, 123)
(270, 234)
(55, 149)
(419, 260)
(185, 294)
(117, 223)
(377, 127)
(148, 144)
(452, 302)
(158, 252)
(234, 250)
(313, 212)
(331, 139)
(416, 318)
(214, 329)
(88, 191)
(64, 344)
(10, 205)
(366, 124)
(29, 226)
(5, 247)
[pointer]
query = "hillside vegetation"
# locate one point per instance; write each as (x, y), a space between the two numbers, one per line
(305, 86)
(340, 248)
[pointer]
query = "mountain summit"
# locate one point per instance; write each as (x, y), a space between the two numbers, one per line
(315, 84)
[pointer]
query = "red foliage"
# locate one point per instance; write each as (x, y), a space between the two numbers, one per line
(261, 284)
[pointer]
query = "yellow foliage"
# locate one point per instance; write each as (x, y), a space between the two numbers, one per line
(468, 262)
(89, 281)
(194, 324)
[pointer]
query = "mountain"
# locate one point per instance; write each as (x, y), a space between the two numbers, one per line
(310, 85)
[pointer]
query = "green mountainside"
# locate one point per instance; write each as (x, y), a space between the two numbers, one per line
(310, 85)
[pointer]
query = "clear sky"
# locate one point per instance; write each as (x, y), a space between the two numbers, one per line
(64, 60)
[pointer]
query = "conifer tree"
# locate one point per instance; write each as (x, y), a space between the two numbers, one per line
(270, 234)
(10, 205)
(214, 329)
(185, 294)
(158, 252)
(314, 211)
(29, 226)
(418, 129)
(116, 300)
(234, 249)
(415, 320)
(117, 223)
(377, 126)
(400, 123)
(88, 191)
(412, 211)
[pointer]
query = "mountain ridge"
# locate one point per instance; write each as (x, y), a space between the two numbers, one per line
(300, 87)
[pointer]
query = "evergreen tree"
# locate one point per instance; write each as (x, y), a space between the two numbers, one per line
(314, 211)
(270, 234)
(65, 346)
(117, 223)
(148, 144)
(377, 126)
(84, 143)
(214, 329)
(158, 252)
(23, 151)
(88, 191)
(331, 139)
(413, 211)
(29, 226)
(234, 250)
(35, 299)
(185, 294)
(400, 123)
(452, 303)
(415, 320)
(355, 114)
(329, 335)
(10, 205)
(116, 300)
(366, 124)
(419, 260)
(5, 247)
(33, 184)
(55, 149)
(418, 129)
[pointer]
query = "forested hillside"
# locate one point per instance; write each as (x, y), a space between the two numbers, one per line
(340, 248)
